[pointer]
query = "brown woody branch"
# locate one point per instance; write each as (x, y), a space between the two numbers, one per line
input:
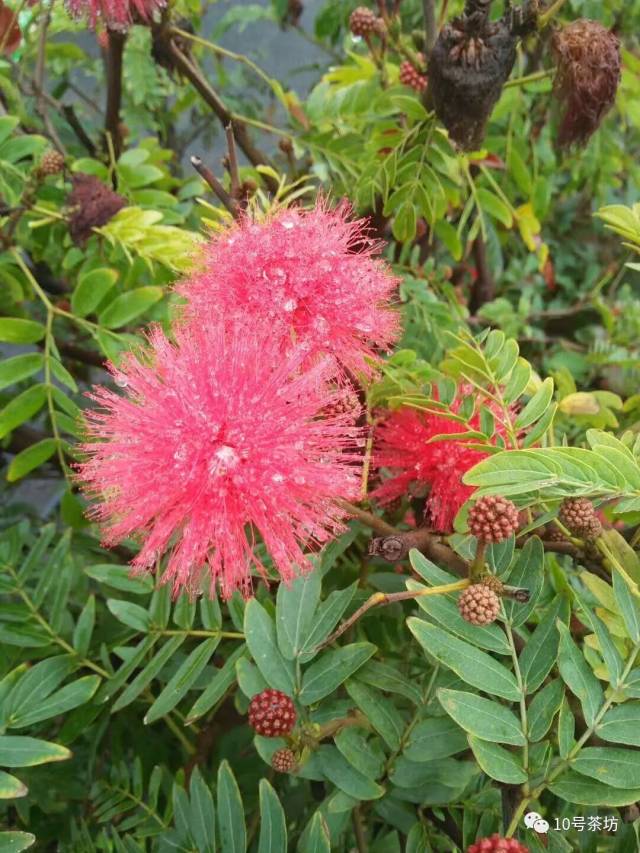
(207, 175)
(189, 69)
(115, 52)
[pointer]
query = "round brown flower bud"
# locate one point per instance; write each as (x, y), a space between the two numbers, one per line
(52, 162)
(284, 760)
(494, 583)
(579, 516)
(493, 519)
(362, 21)
(272, 713)
(478, 604)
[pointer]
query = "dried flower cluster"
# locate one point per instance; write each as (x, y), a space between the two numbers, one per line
(242, 430)
(587, 77)
(92, 205)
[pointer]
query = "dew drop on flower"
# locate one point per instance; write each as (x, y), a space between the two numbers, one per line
(288, 224)
(290, 305)
(224, 460)
(121, 380)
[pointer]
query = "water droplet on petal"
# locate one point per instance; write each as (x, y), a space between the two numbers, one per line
(121, 380)
(288, 224)
(223, 460)
(290, 305)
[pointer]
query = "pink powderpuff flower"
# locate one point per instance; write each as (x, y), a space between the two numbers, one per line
(418, 467)
(215, 439)
(312, 273)
(114, 14)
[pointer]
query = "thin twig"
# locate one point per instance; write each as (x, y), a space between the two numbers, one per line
(379, 598)
(207, 175)
(368, 518)
(553, 10)
(115, 53)
(359, 830)
(190, 70)
(233, 161)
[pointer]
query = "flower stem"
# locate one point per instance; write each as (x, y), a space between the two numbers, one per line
(530, 78)
(551, 12)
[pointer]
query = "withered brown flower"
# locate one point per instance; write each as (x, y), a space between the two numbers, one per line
(587, 78)
(92, 205)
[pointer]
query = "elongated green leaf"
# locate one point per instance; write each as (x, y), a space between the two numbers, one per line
(578, 676)
(16, 751)
(202, 817)
(566, 729)
(528, 572)
(71, 696)
(150, 671)
(130, 614)
(218, 685)
(613, 766)
(273, 827)
(91, 289)
(182, 680)
(22, 408)
(316, 837)
(346, 777)
(610, 653)
(543, 708)
(481, 717)
(326, 618)
(332, 669)
(380, 711)
(621, 724)
(629, 605)
(494, 206)
(120, 577)
(31, 457)
(472, 665)
(14, 842)
(36, 685)
(575, 788)
(537, 405)
(84, 627)
(436, 737)
(19, 367)
(497, 762)
(231, 825)
(10, 787)
(129, 306)
(260, 633)
(295, 608)
(366, 755)
(14, 330)
(540, 652)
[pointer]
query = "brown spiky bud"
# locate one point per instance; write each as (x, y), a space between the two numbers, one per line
(579, 516)
(52, 162)
(362, 21)
(92, 205)
(478, 604)
(272, 713)
(494, 583)
(552, 533)
(410, 76)
(587, 77)
(493, 519)
(284, 760)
